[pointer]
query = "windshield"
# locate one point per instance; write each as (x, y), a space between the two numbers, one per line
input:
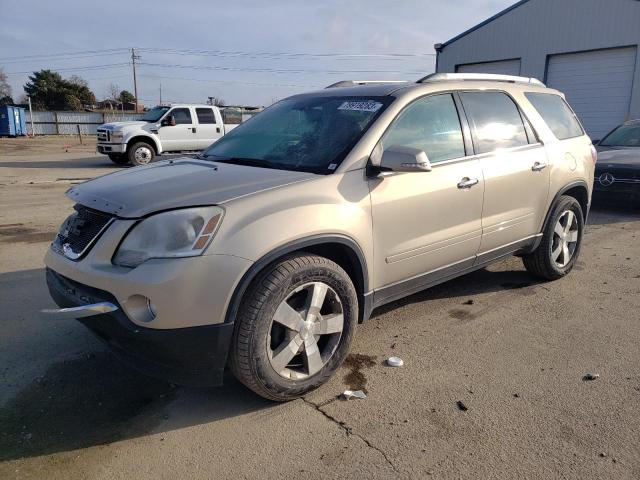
(623, 136)
(154, 114)
(311, 134)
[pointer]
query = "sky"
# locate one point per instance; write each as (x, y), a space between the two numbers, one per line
(245, 52)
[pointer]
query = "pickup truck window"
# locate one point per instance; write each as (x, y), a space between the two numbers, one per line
(182, 116)
(306, 133)
(154, 114)
(205, 116)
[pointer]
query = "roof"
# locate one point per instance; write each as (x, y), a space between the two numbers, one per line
(482, 24)
(374, 90)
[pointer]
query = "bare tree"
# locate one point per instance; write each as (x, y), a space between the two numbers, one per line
(5, 88)
(113, 92)
(216, 101)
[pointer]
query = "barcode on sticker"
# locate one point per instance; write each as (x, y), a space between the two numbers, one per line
(362, 106)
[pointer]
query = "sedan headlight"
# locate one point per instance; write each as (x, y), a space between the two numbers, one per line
(177, 233)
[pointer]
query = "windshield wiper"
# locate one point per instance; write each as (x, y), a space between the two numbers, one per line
(249, 162)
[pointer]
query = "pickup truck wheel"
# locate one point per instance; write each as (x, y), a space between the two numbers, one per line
(140, 153)
(118, 158)
(560, 245)
(294, 328)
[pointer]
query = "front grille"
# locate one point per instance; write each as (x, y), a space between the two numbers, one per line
(103, 135)
(80, 231)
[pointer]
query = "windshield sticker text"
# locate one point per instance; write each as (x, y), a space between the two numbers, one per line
(365, 106)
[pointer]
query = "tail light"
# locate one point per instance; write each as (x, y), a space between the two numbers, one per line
(594, 153)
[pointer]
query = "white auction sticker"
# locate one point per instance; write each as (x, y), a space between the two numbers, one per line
(361, 106)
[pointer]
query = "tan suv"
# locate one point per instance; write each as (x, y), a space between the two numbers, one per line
(266, 251)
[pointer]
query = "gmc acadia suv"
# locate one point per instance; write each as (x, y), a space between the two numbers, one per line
(266, 251)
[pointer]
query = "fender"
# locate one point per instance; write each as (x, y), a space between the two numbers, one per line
(153, 140)
(569, 186)
(300, 244)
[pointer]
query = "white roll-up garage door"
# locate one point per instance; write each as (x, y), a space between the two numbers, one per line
(597, 84)
(502, 67)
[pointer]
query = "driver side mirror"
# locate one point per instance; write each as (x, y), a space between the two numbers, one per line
(595, 142)
(168, 121)
(397, 158)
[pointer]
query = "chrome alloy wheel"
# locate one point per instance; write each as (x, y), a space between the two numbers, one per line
(565, 239)
(143, 155)
(305, 331)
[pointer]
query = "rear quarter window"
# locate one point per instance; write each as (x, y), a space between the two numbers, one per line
(556, 114)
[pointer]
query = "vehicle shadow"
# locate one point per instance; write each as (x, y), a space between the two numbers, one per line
(80, 395)
(89, 162)
(609, 213)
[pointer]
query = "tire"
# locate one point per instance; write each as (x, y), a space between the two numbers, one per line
(140, 153)
(118, 158)
(258, 338)
(547, 261)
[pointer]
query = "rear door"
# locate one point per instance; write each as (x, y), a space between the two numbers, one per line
(426, 225)
(207, 130)
(514, 165)
(182, 135)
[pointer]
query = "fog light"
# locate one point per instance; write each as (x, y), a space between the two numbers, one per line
(140, 308)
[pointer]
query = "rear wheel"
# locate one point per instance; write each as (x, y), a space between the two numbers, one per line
(118, 158)
(140, 153)
(560, 246)
(294, 328)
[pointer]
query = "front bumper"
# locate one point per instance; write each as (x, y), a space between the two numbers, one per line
(107, 148)
(194, 356)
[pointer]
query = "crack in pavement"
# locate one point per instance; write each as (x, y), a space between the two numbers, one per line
(348, 430)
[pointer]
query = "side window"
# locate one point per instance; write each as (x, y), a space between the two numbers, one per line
(430, 124)
(182, 116)
(495, 121)
(557, 114)
(205, 115)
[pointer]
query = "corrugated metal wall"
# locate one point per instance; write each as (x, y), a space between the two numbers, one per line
(66, 123)
(538, 29)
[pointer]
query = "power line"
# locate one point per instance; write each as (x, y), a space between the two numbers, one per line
(231, 81)
(110, 51)
(275, 70)
(82, 69)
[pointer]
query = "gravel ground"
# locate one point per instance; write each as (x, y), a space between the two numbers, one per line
(492, 385)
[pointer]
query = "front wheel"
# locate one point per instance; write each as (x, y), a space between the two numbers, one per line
(294, 328)
(140, 153)
(561, 240)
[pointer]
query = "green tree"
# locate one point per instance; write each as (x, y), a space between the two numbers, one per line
(126, 97)
(49, 91)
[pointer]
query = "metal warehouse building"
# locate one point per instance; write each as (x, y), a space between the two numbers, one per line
(586, 48)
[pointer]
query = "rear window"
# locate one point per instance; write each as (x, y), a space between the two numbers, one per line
(557, 114)
(205, 115)
(495, 121)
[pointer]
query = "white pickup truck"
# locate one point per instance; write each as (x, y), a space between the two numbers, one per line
(163, 129)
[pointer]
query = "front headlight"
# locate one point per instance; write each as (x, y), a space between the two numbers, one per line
(116, 135)
(177, 233)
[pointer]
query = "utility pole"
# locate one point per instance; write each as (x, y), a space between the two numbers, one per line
(160, 93)
(135, 57)
(33, 132)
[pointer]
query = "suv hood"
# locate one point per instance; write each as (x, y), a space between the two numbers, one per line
(170, 184)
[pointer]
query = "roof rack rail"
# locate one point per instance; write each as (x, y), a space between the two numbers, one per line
(353, 83)
(441, 77)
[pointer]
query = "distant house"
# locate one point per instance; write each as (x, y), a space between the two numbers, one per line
(115, 105)
(589, 49)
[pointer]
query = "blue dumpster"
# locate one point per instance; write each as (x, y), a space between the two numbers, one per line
(13, 121)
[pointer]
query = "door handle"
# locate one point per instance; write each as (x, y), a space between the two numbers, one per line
(538, 166)
(193, 129)
(217, 129)
(467, 182)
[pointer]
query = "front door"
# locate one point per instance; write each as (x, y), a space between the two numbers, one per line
(182, 135)
(514, 164)
(427, 222)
